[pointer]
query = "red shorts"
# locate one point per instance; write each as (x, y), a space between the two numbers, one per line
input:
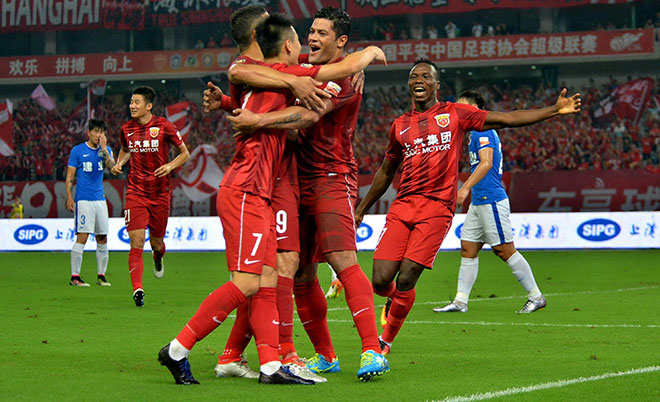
(141, 212)
(327, 222)
(414, 229)
(246, 225)
(285, 201)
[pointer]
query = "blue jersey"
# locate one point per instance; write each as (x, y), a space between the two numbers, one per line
(490, 188)
(89, 166)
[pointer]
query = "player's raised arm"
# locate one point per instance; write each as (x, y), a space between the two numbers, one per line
(381, 183)
(214, 99)
(351, 64)
(519, 118)
(107, 153)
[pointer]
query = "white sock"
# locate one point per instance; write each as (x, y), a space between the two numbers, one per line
(177, 351)
(271, 367)
(76, 258)
(101, 258)
(467, 275)
(523, 273)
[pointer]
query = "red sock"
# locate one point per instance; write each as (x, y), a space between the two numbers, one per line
(264, 322)
(402, 303)
(135, 267)
(159, 254)
(360, 300)
(211, 313)
(389, 292)
(285, 308)
(313, 311)
(239, 337)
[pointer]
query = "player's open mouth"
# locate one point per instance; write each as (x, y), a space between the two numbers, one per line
(419, 90)
(314, 48)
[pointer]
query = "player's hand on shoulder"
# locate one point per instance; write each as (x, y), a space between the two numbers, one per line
(309, 94)
(212, 97)
(568, 105)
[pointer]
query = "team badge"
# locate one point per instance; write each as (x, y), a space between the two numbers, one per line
(153, 131)
(442, 119)
(332, 88)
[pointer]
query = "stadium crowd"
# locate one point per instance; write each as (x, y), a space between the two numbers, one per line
(42, 139)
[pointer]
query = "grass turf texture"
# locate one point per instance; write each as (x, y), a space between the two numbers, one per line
(61, 342)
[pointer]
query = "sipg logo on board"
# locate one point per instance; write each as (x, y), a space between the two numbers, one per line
(30, 234)
(363, 232)
(457, 232)
(598, 230)
(123, 235)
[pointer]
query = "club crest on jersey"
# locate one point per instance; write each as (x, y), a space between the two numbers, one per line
(153, 131)
(332, 88)
(442, 119)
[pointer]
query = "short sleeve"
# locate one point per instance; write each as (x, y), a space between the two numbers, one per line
(345, 93)
(122, 138)
(73, 158)
(301, 70)
(469, 117)
(394, 149)
(172, 135)
(483, 139)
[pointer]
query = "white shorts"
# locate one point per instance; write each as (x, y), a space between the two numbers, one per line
(91, 217)
(488, 223)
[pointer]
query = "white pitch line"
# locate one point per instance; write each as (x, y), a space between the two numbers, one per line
(521, 324)
(548, 385)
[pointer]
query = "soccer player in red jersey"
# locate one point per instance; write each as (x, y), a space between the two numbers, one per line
(327, 174)
(427, 141)
(145, 141)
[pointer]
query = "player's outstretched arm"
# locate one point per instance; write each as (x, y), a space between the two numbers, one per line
(180, 159)
(107, 155)
(519, 118)
(306, 89)
(352, 64)
(214, 99)
(291, 118)
(122, 159)
(68, 184)
(381, 183)
(485, 163)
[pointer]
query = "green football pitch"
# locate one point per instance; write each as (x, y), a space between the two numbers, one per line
(597, 340)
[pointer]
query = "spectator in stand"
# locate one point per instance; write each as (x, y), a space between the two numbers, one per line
(477, 29)
(416, 32)
(16, 209)
(451, 30)
(211, 43)
(403, 35)
(225, 41)
(432, 32)
(490, 31)
(199, 44)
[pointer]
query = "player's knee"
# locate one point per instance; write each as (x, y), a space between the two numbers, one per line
(156, 243)
(287, 263)
(101, 239)
(306, 273)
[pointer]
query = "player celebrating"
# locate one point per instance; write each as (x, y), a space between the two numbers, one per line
(87, 161)
(145, 141)
(487, 219)
(427, 141)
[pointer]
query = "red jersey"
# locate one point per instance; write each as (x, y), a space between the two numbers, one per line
(429, 145)
(259, 154)
(287, 172)
(327, 146)
(149, 146)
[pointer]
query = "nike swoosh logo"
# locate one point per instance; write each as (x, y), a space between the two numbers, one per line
(85, 155)
(359, 311)
(216, 320)
(129, 134)
(249, 262)
(307, 322)
(282, 238)
(286, 324)
(403, 131)
(275, 322)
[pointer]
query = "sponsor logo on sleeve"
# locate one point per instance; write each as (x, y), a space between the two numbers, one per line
(332, 88)
(598, 230)
(483, 141)
(306, 65)
(30, 234)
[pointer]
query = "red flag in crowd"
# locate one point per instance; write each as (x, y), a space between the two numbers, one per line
(98, 87)
(41, 97)
(627, 101)
(77, 122)
(180, 114)
(201, 175)
(6, 129)
(656, 98)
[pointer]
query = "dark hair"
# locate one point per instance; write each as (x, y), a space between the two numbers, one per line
(271, 34)
(473, 97)
(93, 124)
(341, 21)
(430, 63)
(243, 22)
(148, 93)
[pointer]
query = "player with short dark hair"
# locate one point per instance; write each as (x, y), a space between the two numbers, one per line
(88, 161)
(145, 142)
(427, 141)
(487, 219)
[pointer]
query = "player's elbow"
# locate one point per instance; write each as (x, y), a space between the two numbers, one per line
(237, 74)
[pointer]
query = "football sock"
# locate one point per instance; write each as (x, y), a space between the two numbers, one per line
(177, 351)
(101, 258)
(389, 292)
(159, 254)
(467, 275)
(360, 300)
(285, 308)
(523, 273)
(135, 267)
(313, 310)
(402, 303)
(211, 313)
(76, 258)
(265, 324)
(239, 337)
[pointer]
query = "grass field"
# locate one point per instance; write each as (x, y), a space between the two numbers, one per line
(598, 339)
